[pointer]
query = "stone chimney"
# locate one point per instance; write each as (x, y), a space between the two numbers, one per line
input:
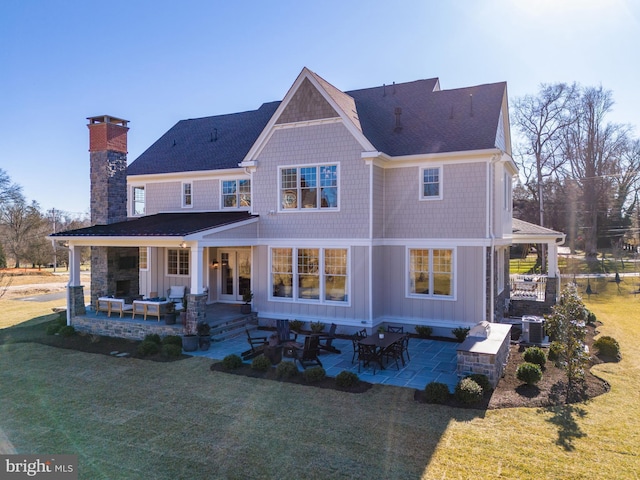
(108, 170)
(114, 270)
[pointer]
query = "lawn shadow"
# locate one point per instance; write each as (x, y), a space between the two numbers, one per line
(565, 418)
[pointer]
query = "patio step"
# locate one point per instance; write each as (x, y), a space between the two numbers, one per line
(233, 327)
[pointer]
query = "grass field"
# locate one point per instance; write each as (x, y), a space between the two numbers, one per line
(132, 419)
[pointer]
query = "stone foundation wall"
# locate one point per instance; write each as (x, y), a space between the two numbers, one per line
(113, 328)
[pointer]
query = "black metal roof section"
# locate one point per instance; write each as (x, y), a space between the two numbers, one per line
(400, 119)
(161, 225)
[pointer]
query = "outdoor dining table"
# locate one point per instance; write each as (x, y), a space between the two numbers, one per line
(382, 344)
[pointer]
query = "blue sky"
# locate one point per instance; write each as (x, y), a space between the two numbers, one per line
(157, 62)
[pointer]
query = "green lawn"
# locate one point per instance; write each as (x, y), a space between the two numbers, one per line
(132, 419)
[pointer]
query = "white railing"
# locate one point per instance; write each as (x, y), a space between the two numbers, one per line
(528, 287)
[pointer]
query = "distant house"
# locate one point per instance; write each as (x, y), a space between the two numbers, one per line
(385, 204)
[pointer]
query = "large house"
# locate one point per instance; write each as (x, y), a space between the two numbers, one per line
(385, 204)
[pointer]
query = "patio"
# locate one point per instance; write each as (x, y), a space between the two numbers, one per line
(431, 360)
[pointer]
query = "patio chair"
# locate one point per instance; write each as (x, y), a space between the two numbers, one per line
(308, 355)
(392, 329)
(257, 346)
(284, 333)
(328, 340)
(176, 294)
(368, 354)
(354, 341)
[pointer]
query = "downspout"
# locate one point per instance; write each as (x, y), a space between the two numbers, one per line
(371, 243)
(491, 234)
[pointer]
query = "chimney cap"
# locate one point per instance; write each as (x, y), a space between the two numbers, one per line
(107, 119)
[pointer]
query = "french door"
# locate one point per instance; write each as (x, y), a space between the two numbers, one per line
(235, 273)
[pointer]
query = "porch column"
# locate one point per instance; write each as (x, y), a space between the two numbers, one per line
(197, 270)
(75, 291)
(552, 260)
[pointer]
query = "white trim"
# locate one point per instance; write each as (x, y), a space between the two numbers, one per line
(131, 205)
(263, 139)
(237, 193)
(431, 296)
(294, 299)
(299, 208)
(183, 195)
(146, 269)
(421, 196)
(182, 176)
(471, 156)
(166, 262)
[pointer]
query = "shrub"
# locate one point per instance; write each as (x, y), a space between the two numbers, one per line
(346, 379)
(316, 327)
(296, 325)
(468, 391)
(535, 355)
(148, 347)
(481, 380)
(171, 351)
(529, 373)
(231, 362)
(286, 370)
(460, 333)
(67, 331)
(261, 363)
(591, 318)
(554, 351)
(314, 374)
(172, 340)
(53, 328)
(607, 346)
(436, 392)
(424, 331)
(153, 337)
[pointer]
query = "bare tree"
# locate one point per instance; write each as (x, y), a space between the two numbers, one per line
(593, 147)
(21, 225)
(541, 120)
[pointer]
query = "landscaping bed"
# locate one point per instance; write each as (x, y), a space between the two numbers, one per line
(510, 392)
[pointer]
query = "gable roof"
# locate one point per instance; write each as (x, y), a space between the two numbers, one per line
(162, 225)
(430, 121)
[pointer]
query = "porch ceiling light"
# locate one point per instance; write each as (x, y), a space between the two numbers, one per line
(183, 244)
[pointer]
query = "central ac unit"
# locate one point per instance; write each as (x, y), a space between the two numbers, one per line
(532, 329)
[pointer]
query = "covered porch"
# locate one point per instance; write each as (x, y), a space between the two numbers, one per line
(535, 293)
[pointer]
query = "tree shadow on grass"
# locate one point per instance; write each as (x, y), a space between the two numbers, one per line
(565, 416)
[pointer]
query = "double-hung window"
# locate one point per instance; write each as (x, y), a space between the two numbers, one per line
(178, 261)
(138, 201)
(236, 193)
(431, 272)
(309, 187)
(431, 183)
(310, 274)
(187, 196)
